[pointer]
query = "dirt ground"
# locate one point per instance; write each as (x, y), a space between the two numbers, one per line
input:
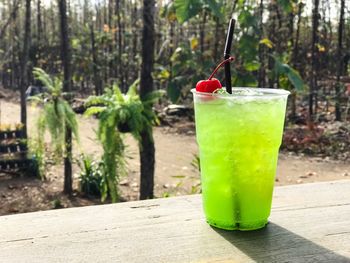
(174, 175)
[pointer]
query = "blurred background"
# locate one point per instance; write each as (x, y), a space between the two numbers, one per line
(88, 46)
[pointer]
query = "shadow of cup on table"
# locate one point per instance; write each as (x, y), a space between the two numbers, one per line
(277, 244)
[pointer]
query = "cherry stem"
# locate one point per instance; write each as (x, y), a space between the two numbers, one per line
(230, 59)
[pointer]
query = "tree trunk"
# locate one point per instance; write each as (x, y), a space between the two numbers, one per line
(134, 28)
(111, 64)
(39, 29)
(97, 79)
(261, 75)
(340, 61)
(294, 61)
(297, 36)
(67, 77)
(202, 32)
(24, 66)
(216, 38)
(314, 62)
(119, 41)
(147, 150)
(272, 36)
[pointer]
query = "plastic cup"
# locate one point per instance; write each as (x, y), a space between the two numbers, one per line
(239, 136)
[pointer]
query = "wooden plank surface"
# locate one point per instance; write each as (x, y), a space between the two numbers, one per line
(308, 223)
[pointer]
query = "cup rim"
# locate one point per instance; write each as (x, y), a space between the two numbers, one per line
(266, 93)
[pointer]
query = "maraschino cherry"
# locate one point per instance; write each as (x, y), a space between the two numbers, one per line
(212, 84)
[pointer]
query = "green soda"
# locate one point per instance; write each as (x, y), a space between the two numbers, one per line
(239, 136)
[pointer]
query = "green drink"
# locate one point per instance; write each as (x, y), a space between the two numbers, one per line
(239, 136)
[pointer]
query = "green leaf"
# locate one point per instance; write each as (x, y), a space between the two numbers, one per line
(173, 92)
(248, 47)
(179, 176)
(281, 68)
(246, 19)
(133, 88)
(215, 7)
(94, 110)
(186, 9)
(45, 79)
(287, 5)
(251, 66)
(295, 79)
(75, 43)
(245, 80)
(267, 42)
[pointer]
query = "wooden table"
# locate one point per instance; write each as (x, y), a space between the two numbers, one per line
(308, 223)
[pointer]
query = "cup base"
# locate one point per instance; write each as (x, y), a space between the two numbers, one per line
(241, 226)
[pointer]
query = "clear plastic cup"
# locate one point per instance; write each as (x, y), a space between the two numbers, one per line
(239, 136)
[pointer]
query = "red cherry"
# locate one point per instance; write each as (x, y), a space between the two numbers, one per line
(212, 84)
(209, 85)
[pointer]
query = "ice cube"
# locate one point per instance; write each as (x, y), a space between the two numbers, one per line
(246, 92)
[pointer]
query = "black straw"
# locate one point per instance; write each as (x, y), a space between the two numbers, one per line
(227, 51)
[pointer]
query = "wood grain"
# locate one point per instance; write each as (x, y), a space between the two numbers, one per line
(308, 223)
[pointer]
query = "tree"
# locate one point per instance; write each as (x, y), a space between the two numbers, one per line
(340, 61)
(147, 149)
(67, 78)
(95, 65)
(24, 66)
(314, 60)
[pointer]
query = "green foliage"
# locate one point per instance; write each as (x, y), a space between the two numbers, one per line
(189, 65)
(185, 70)
(37, 150)
(215, 7)
(173, 91)
(284, 70)
(287, 5)
(118, 113)
(56, 204)
(247, 60)
(196, 162)
(55, 116)
(186, 9)
(91, 176)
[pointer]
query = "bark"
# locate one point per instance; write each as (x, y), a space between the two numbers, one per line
(314, 60)
(111, 64)
(216, 38)
(261, 76)
(294, 60)
(134, 26)
(202, 31)
(291, 29)
(147, 150)
(67, 77)
(297, 36)
(97, 79)
(272, 37)
(24, 65)
(340, 61)
(119, 41)
(39, 29)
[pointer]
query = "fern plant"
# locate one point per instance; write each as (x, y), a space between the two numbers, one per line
(55, 116)
(91, 176)
(119, 113)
